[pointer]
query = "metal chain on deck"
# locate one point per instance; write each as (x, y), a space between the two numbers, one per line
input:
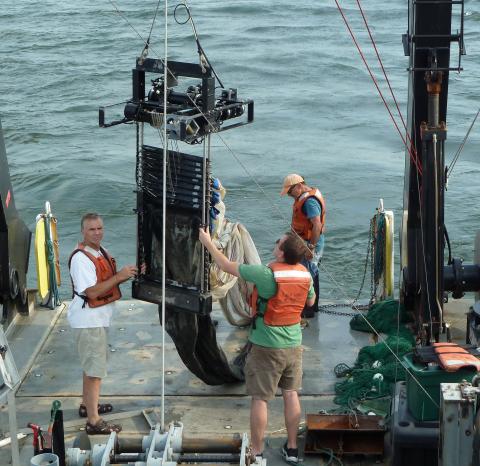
(328, 308)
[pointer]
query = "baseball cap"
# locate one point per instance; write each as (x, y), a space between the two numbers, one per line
(289, 181)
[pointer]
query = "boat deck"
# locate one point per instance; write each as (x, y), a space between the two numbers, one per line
(44, 351)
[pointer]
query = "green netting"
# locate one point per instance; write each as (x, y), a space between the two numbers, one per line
(374, 373)
(376, 368)
(382, 316)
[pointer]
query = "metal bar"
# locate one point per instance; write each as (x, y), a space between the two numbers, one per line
(208, 458)
(128, 459)
(440, 2)
(12, 421)
(191, 70)
(435, 69)
(452, 37)
(164, 216)
(225, 444)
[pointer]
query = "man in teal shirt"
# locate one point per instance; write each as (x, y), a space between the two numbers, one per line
(275, 359)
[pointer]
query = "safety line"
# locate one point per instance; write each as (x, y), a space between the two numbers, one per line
(459, 150)
(414, 159)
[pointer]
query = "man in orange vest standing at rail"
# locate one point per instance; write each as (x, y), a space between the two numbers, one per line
(275, 357)
(308, 221)
(95, 283)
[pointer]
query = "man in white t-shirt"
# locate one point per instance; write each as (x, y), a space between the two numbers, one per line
(95, 283)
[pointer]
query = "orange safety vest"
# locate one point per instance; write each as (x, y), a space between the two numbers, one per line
(300, 222)
(453, 357)
(105, 267)
(285, 308)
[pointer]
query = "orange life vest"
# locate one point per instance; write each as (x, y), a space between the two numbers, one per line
(300, 222)
(453, 357)
(105, 267)
(285, 308)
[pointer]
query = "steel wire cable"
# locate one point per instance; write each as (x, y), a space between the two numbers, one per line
(460, 148)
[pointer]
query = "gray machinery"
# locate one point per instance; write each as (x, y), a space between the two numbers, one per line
(193, 115)
(459, 424)
(15, 239)
(164, 449)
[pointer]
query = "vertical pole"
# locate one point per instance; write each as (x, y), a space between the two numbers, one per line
(204, 213)
(12, 422)
(164, 206)
(433, 135)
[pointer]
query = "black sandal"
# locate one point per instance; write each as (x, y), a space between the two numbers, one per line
(102, 409)
(102, 427)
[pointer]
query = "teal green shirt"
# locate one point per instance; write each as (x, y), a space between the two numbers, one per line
(266, 335)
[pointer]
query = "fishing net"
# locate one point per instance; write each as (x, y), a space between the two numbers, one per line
(377, 367)
(387, 316)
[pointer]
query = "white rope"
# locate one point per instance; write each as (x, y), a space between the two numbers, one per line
(164, 217)
(231, 292)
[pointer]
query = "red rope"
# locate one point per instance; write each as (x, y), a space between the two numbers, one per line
(388, 81)
(413, 155)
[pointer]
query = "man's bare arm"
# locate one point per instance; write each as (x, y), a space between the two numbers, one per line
(219, 258)
(311, 301)
(101, 288)
(316, 229)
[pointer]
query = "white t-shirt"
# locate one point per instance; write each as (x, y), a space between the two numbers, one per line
(82, 271)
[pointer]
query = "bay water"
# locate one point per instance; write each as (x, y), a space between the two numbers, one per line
(317, 113)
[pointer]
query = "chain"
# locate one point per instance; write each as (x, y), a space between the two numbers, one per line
(327, 308)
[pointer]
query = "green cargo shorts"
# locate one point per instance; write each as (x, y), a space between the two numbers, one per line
(267, 369)
(92, 349)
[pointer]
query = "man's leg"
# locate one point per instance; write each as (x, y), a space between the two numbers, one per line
(258, 424)
(292, 411)
(312, 267)
(316, 287)
(91, 395)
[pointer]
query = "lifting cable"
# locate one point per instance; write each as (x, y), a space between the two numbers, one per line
(201, 52)
(147, 42)
(321, 265)
(460, 148)
(413, 155)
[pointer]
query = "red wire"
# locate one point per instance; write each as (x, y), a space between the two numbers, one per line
(409, 149)
(386, 78)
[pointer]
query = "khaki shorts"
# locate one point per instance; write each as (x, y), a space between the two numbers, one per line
(267, 369)
(92, 349)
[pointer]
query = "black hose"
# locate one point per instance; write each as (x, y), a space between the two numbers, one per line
(447, 239)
